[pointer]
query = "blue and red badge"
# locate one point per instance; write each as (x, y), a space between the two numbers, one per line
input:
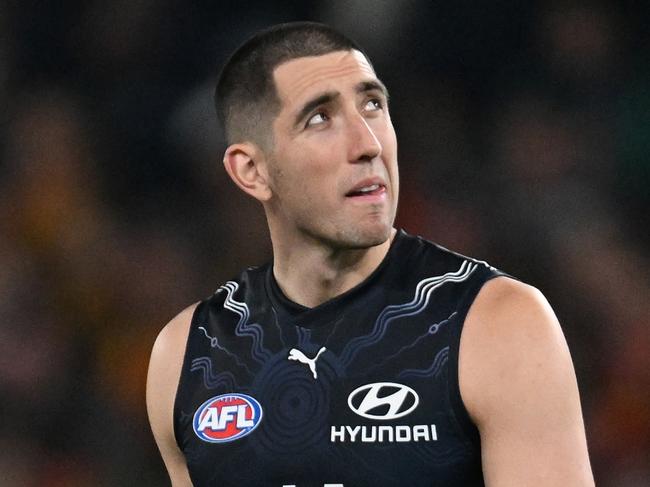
(227, 418)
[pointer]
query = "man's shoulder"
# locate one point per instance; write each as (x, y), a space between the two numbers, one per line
(510, 328)
(171, 339)
(510, 309)
(162, 380)
(517, 382)
(164, 372)
(429, 255)
(503, 302)
(250, 280)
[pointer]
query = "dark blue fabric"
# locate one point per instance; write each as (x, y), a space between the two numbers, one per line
(401, 326)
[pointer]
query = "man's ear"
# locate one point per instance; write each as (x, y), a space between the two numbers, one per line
(246, 166)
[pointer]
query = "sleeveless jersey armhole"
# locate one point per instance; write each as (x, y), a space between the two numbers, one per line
(461, 414)
(177, 410)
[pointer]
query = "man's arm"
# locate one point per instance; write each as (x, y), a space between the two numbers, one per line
(162, 382)
(518, 385)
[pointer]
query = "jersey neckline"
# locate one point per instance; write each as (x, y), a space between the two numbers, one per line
(290, 311)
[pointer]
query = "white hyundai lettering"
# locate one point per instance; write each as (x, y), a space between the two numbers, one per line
(353, 431)
(402, 433)
(371, 400)
(368, 397)
(384, 433)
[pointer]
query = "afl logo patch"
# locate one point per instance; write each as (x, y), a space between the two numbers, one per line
(227, 418)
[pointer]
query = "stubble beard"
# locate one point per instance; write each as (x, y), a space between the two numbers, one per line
(349, 235)
(339, 232)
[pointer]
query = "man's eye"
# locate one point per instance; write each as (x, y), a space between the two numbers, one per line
(317, 119)
(373, 105)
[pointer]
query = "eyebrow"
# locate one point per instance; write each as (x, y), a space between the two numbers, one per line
(372, 86)
(322, 99)
(330, 96)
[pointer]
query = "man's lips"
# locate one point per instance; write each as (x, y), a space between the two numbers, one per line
(369, 187)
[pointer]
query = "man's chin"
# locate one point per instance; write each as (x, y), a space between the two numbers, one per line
(366, 236)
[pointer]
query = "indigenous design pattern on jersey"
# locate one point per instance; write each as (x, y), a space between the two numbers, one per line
(361, 390)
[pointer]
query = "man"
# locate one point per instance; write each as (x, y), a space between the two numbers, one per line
(343, 362)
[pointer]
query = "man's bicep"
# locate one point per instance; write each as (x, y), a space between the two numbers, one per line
(162, 381)
(518, 384)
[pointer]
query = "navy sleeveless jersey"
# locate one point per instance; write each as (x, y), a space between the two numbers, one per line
(359, 391)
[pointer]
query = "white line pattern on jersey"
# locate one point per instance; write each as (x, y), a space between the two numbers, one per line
(237, 307)
(254, 330)
(423, 292)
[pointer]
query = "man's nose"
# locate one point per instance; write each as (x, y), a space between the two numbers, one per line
(363, 144)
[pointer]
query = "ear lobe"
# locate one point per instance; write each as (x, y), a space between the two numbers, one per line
(244, 164)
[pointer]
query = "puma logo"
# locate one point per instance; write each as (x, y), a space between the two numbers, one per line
(295, 354)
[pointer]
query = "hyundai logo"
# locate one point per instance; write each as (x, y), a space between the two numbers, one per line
(383, 400)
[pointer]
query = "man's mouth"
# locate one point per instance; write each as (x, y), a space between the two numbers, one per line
(372, 189)
(369, 190)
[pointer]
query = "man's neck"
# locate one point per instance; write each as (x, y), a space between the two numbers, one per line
(310, 274)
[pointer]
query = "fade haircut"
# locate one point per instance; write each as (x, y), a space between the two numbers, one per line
(246, 98)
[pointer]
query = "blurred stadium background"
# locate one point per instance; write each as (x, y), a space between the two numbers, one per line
(524, 132)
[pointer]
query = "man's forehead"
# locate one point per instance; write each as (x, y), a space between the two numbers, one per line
(297, 77)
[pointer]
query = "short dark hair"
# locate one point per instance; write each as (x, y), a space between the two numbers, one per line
(246, 98)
